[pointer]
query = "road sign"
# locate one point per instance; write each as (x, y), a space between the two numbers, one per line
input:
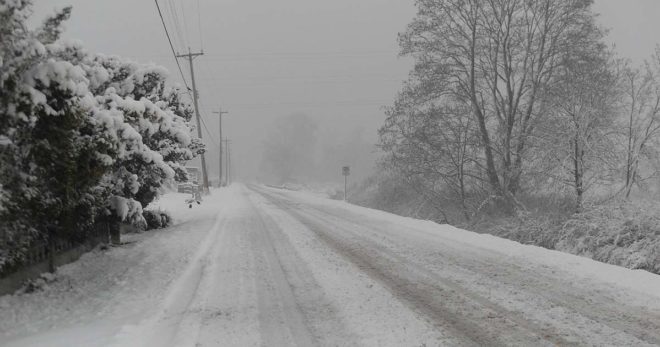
(346, 170)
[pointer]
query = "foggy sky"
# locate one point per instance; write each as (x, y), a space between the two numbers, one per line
(336, 61)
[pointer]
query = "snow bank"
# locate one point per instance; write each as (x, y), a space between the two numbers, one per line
(621, 233)
(175, 205)
(639, 281)
(323, 190)
(89, 300)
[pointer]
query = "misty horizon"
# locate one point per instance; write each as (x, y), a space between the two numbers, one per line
(336, 62)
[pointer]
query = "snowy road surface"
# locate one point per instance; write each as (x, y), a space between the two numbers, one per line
(256, 266)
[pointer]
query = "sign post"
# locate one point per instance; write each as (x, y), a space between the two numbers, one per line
(346, 170)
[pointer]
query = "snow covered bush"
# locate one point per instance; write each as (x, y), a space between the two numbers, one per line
(83, 137)
(157, 113)
(620, 232)
(389, 192)
(49, 154)
(625, 233)
(157, 219)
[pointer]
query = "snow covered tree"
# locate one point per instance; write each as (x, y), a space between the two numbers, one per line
(578, 141)
(51, 156)
(497, 57)
(431, 142)
(640, 121)
(19, 48)
(159, 141)
(158, 114)
(82, 137)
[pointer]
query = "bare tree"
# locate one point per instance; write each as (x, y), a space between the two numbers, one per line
(435, 147)
(641, 89)
(498, 57)
(580, 138)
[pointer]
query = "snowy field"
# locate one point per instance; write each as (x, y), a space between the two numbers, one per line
(262, 266)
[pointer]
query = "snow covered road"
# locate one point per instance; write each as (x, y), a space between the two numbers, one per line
(261, 266)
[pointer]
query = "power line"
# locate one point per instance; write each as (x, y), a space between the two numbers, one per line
(171, 46)
(174, 15)
(311, 55)
(302, 80)
(323, 103)
(175, 18)
(190, 56)
(175, 21)
(199, 27)
(214, 87)
(193, 95)
(178, 16)
(208, 132)
(207, 72)
(185, 23)
(203, 106)
(289, 57)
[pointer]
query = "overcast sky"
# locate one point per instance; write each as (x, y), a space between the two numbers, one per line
(333, 60)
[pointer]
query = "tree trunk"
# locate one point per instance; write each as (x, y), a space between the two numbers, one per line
(631, 175)
(578, 173)
(466, 214)
(491, 171)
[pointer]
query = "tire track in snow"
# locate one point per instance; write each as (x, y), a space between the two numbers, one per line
(369, 314)
(164, 328)
(638, 322)
(319, 314)
(569, 321)
(281, 320)
(604, 315)
(226, 304)
(446, 304)
(285, 297)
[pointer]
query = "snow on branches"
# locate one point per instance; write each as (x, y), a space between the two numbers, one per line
(82, 136)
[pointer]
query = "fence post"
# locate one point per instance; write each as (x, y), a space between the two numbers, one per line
(115, 232)
(51, 252)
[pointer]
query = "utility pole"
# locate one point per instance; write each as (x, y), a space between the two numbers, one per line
(220, 113)
(345, 171)
(190, 57)
(228, 156)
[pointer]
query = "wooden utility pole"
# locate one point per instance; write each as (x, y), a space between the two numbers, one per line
(228, 156)
(190, 57)
(220, 113)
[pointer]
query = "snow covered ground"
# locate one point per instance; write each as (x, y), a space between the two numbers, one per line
(95, 296)
(261, 266)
